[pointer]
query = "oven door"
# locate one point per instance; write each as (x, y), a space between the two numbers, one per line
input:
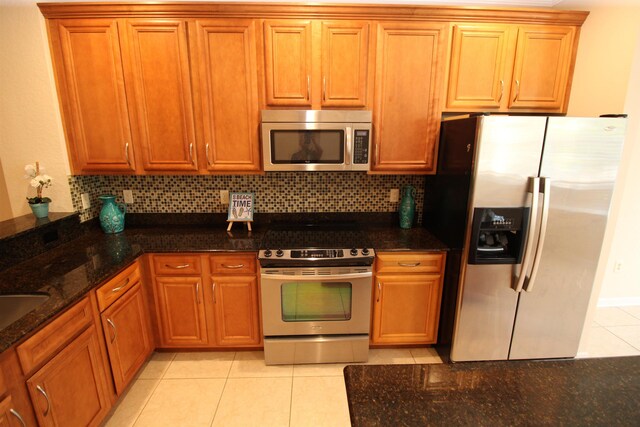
(316, 301)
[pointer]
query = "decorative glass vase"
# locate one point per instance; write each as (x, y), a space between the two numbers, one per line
(407, 209)
(40, 210)
(111, 214)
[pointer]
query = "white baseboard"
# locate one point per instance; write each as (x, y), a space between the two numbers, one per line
(618, 302)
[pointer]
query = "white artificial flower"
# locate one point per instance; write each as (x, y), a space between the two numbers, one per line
(46, 180)
(30, 171)
(35, 183)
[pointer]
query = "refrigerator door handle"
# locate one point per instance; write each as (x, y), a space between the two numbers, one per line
(534, 189)
(546, 190)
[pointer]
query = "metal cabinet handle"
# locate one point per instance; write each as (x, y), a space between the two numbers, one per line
(206, 147)
(126, 152)
(324, 88)
(18, 416)
(119, 288)
(308, 87)
(501, 90)
(546, 190)
(377, 159)
(517, 90)
(178, 267)
(534, 189)
(404, 264)
(234, 266)
(379, 292)
(213, 290)
(197, 292)
(347, 160)
(44, 393)
(191, 152)
(113, 326)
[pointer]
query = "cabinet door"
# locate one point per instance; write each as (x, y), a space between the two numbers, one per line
(542, 69)
(228, 93)
(287, 50)
(88, 67)
(480, 67)
(406, 116)
(345, 63)
(157, 70)
(181, 312)
(9, 417)
(406, 309)
(236, 310)
(71, 390)
(128, 335)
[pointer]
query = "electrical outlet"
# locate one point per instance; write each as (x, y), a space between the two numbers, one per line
(617, 266)
(128, 196)
(86, 202)
(394, 195)
(224, 197)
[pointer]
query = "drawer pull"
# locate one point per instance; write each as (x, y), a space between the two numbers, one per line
(18, 416)
(404, 264)
(113, 326)
(234, 266)
(44, 393)
(379, 292)
(119, 288)
(178, 267)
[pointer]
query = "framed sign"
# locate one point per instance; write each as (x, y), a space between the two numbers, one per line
(240, 208)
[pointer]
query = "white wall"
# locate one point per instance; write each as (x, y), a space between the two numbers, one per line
(30, 124)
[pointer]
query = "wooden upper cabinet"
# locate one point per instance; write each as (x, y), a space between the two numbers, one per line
(89, 75)
(542, 71)
(318, 64)
(227, 94)
(480, 67)
(509, 67)
(287, 50)
(406, 117)
(156, 61)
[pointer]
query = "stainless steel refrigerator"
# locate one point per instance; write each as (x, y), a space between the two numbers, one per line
(524, 202)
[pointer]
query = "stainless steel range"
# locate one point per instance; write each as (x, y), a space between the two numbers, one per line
(316, 284)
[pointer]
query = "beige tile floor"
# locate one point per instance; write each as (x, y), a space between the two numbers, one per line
(238, 389)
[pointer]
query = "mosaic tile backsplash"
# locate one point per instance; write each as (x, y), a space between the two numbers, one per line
(275, 192)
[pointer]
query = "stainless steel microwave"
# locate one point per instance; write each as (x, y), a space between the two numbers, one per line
(316, 140)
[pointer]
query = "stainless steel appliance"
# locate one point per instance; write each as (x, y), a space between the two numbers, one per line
(316, 294)
(523, 201)
(316, 140)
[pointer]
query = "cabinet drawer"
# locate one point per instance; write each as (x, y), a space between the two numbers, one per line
(389, 262)
(53, 337)
(121, 283)
(176, 265)
(233, 264)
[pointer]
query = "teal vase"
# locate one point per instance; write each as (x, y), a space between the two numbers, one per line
(40, 210)
(407, 209)
(111, 214)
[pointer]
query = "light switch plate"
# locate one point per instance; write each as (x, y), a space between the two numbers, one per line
(128, 196)
(394, 195)
(224, 197)
(86, 202)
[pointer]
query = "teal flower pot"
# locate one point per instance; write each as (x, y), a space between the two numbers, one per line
(40, 210)
(111, 214)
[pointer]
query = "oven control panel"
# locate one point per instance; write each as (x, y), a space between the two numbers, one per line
(323, 256)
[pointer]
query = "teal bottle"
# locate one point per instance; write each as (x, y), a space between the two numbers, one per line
(407, 209)
(111, 216)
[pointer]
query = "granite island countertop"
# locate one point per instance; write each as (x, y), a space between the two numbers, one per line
(68, 272)
(598, 392)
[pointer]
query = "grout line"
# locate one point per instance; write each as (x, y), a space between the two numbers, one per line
(291, 399)
(146, 402)
(621, 338)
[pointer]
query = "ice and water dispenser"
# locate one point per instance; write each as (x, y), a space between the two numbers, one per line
(498, 235)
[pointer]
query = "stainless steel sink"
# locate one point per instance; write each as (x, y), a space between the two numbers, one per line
(13, 307)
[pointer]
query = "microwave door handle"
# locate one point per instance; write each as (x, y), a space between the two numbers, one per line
(347, 161)
(546, 190)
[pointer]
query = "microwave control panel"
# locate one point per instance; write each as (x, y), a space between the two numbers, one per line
(361, 146)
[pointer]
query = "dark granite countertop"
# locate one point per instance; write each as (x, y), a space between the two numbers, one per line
(70, 270)
(594, 392)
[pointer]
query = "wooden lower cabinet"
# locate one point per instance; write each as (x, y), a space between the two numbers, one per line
(406, 307)
(181, 312)
(235, 305)
(71, 389)
(128, 336)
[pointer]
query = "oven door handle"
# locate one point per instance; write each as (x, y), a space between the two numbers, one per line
(316, 277)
